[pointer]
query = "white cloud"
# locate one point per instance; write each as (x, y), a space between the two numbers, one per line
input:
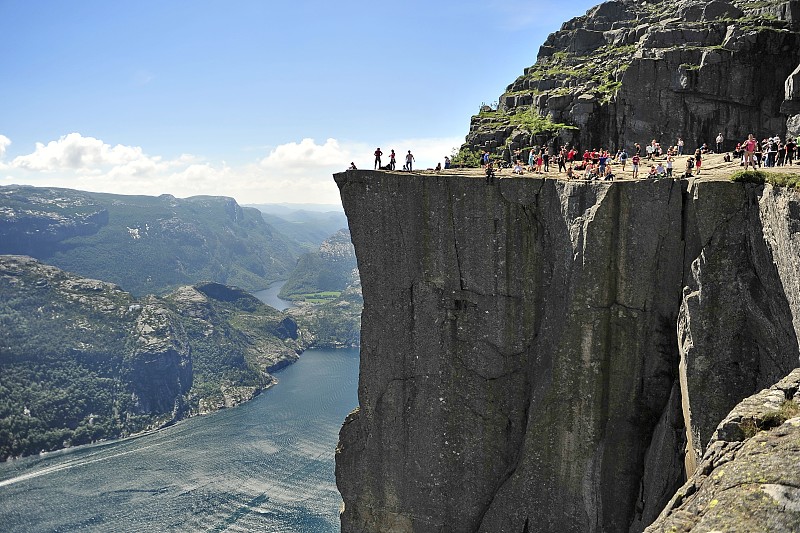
(305, 154)
(295, 172)
(73, 151)
(4, 142)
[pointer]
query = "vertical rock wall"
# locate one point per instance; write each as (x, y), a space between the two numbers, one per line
(521, 344)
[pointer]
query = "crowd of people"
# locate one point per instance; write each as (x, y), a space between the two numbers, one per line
(654, 161)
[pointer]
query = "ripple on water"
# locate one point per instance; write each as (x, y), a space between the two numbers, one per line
(266, 465)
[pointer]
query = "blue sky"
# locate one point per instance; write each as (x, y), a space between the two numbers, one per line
(259, 100)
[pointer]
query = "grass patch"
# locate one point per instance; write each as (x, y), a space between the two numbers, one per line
(788, 409)
(536, 123)
(318, 297)
(775, 179)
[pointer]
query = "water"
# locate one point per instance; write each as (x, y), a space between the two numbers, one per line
(267, 465)
(270, 297)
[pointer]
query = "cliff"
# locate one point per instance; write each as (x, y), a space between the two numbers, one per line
(632, 71)
(747, 480)
(543, 355)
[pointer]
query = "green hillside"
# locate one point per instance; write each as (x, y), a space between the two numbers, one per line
(82, 360)
(145, 244)
(325, 273)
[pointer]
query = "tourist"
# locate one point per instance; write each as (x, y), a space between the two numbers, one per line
(601, 162)
(698, 156)
(446, 161)
(791, 146)
(635, 161)
(410, 159)
(689, 167)
(484, 159)
(531, 159)
(392, 160)
(670, 161)
(378, 155)
(352, 166)
(570, 172)
(772, 151)
(518, 167)
(561, 160)
(661, 172)
(720, 139)
(749, 151)
(623, 158)
(539, 163)
(489, 172)
(679, 144)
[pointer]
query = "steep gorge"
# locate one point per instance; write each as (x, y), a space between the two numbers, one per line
(542, 355)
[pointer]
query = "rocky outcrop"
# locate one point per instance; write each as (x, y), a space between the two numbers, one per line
(747, 480)
(632, 71)
(543, 355)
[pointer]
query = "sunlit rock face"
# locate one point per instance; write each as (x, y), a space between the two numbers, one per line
(541, 355)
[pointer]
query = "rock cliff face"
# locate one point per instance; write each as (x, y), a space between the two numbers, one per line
(537, 355)
(631, 71)
(747, 480)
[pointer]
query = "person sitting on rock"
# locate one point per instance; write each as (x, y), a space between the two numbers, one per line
(518, 167)
(689, 167)
(570, 172)
(661, 172)
(438, 167)
(352, 166)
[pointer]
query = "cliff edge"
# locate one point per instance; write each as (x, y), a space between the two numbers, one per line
(542, 355)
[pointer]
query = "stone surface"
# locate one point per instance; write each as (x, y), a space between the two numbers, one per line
(532, 351)
(749, 476)
(659, 70)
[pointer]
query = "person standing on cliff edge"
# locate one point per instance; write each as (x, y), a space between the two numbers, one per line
(392, 159)
(720, 139)
(378, 155)
(409, 160)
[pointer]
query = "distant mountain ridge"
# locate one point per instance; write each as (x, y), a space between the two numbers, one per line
(146, 244)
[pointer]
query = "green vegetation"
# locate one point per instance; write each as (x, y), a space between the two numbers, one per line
(465, 157)
(318, 297)
(336, 323)
(776, 179)
(82, 361)
(328, 270)
(145, 244)
(535, 123)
